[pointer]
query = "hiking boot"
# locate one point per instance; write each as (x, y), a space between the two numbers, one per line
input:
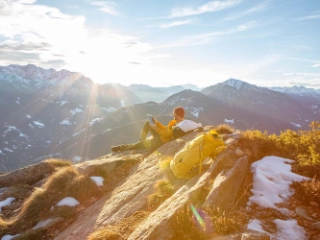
(119, 148)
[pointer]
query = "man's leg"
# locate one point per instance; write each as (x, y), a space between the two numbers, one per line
(150, 142)
(144, 131)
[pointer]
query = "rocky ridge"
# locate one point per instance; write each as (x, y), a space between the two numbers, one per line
(130, 182)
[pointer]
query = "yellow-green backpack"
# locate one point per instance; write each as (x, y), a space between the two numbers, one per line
(194, 152)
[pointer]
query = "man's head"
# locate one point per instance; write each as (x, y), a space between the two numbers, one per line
(178, 113)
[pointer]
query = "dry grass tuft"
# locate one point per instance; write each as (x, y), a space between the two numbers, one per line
(163, 190)
(66, 182)
(3, 226)
(225, 224)
(62, 211)
(59, 163)
(82, 188)
(154, 201)
(122, 229)
(224, 129)
(33, 206)
(61, 180)
(31, 234)
(186, 226)
(105, 234)
(307, 191)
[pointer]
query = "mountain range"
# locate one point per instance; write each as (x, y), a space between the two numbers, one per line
(48, 113)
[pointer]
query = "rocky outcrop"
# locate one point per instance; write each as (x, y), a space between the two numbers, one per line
(226, 185)
(131, 194)
(127, 193)
(28, 175)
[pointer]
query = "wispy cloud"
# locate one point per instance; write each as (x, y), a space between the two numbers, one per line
(211, 6)
(305, 74)
(29, 34)
(309, 17)
(260, 7)
(26, 1)
(107, 7)
(176, 23)
(211, 36)
(314, 62)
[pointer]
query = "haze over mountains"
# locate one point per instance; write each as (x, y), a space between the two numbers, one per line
(49, 113)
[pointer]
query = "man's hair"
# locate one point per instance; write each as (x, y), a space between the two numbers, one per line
(179, 111)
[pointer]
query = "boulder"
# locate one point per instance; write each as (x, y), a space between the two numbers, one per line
(106, 164)
(227, 185)
(130, 195)
(28, 175)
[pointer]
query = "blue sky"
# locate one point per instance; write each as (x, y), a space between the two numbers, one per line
(161, 43)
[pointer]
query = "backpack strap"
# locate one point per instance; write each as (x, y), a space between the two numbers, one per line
(201, 154)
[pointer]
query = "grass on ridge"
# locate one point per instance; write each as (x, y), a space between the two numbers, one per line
(59, 163)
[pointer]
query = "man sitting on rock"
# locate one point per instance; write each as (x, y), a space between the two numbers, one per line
(160, 133)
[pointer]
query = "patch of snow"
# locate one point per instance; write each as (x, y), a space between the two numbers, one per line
(194, 111)
(18, 102)
(296, 124)
(95, 121)
(65, 122)
(8, 150)
(44, 100)
(9, 129)
(13, 128)
(313, 106)
(6, 202)
(256, 226)
(229, 121)
(289, 229)
(109, 109)
(105, 131)
(175, 100)
(5, 142)
(43, 223)
(23, 136)
(123, 103)
(9, 237)
(98, 180)
(31, 126)
(1, 152)
(68, 201)
(233, 83)
(76, 110)
(77, 133)
(63, 103)
(272, 177)
(38, 124)
(76, 158)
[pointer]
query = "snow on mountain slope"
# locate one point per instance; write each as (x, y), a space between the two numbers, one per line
(32, 78)
(298, 90)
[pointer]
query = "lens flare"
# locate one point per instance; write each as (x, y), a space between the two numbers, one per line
(198, 217)
(202, 220)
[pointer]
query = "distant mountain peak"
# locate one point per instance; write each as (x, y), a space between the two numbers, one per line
(233, 83)
(296, 90)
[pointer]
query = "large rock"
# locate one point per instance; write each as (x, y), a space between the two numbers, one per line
(131, 194)
(158, 224)
(227, 185)
(28, 175)
(107, 163)
(129, 197)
